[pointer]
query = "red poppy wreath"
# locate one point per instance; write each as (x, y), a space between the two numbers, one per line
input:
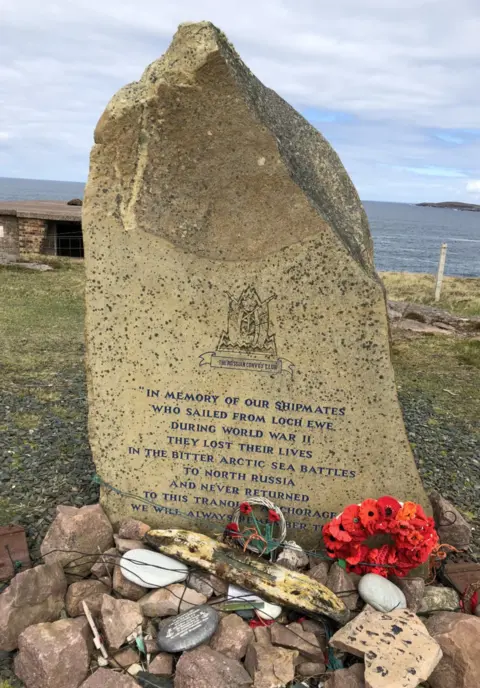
(412, 532)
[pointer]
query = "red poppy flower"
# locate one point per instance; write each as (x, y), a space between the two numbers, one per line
(421, 513)
(414, 538)
(388, 508)
(273, 517)
(407, 512)
(350, 519)
(338, 531)
(245, 508)
(357, 554)
(333, 546)
(232, 528)
(369, 514)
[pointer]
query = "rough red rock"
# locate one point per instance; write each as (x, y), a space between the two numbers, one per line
(459, 638)
(311, 669)
(344, 585)
(161, 665)
(106, 678)
(319, 571)
(119, 619)
(207, 584)
(123, 545)
(89, 591)
(269, 666)
(206, 668)
(151, 646)
(232, 637)
(54, 655)
(295, 637)
(86, 530)
(262, 635)
(105, 563)
(124, 658)
(413, 589)
(131, 529)
(125, 588)
(34, 596)
(353, 677)
(317, 629)
(166, 601)
(452, 527)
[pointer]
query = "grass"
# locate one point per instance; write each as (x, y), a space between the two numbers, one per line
(445, 371)
(41, 315)
(460, 295)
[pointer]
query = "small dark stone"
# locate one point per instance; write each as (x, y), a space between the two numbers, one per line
(150, 680)
(246, 614)
(188, 630)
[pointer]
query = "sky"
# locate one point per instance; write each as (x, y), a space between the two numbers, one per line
(392, 84)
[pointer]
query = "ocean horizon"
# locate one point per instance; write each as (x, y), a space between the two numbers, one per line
(406, 237)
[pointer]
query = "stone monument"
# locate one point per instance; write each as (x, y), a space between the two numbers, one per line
(237, 336)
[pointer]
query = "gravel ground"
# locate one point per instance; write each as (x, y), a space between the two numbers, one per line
(447, 454)
(45, 457)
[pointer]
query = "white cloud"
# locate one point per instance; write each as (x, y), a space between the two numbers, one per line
(473, 186)
(398, 67)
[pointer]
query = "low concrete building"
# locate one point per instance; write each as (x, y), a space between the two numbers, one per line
(48, 227)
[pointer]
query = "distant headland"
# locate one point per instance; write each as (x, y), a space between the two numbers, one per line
(456, 205)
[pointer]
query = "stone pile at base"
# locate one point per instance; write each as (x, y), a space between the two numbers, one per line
(193, 630)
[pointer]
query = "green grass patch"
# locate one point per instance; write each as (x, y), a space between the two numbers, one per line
(435, 367)
(468, 352)
(460, 295)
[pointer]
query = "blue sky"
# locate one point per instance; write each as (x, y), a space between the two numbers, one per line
(392, 84)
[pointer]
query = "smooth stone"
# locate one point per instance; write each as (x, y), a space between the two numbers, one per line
(477, 610)
(188, 630)
(268, 612)
(151, 680)
(152, 569)
(381, 593)
(234, 592)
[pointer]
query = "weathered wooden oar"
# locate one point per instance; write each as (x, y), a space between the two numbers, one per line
(275, 583)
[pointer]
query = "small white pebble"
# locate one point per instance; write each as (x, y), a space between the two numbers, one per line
(261, 162)
(134, 669)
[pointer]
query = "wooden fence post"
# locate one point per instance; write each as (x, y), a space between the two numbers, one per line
(440, 271)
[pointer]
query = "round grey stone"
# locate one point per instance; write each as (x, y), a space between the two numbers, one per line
(477, 610)
(188, 630)
(381, 593)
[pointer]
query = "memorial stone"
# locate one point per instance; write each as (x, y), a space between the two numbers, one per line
(237, 335)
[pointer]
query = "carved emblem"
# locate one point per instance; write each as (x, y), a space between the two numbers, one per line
(247, 343)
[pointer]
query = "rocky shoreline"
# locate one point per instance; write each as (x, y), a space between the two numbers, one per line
(454, 205)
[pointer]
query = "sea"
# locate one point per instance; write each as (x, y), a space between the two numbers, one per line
(406, 237)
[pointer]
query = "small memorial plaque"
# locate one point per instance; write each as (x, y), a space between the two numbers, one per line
(188, 630)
